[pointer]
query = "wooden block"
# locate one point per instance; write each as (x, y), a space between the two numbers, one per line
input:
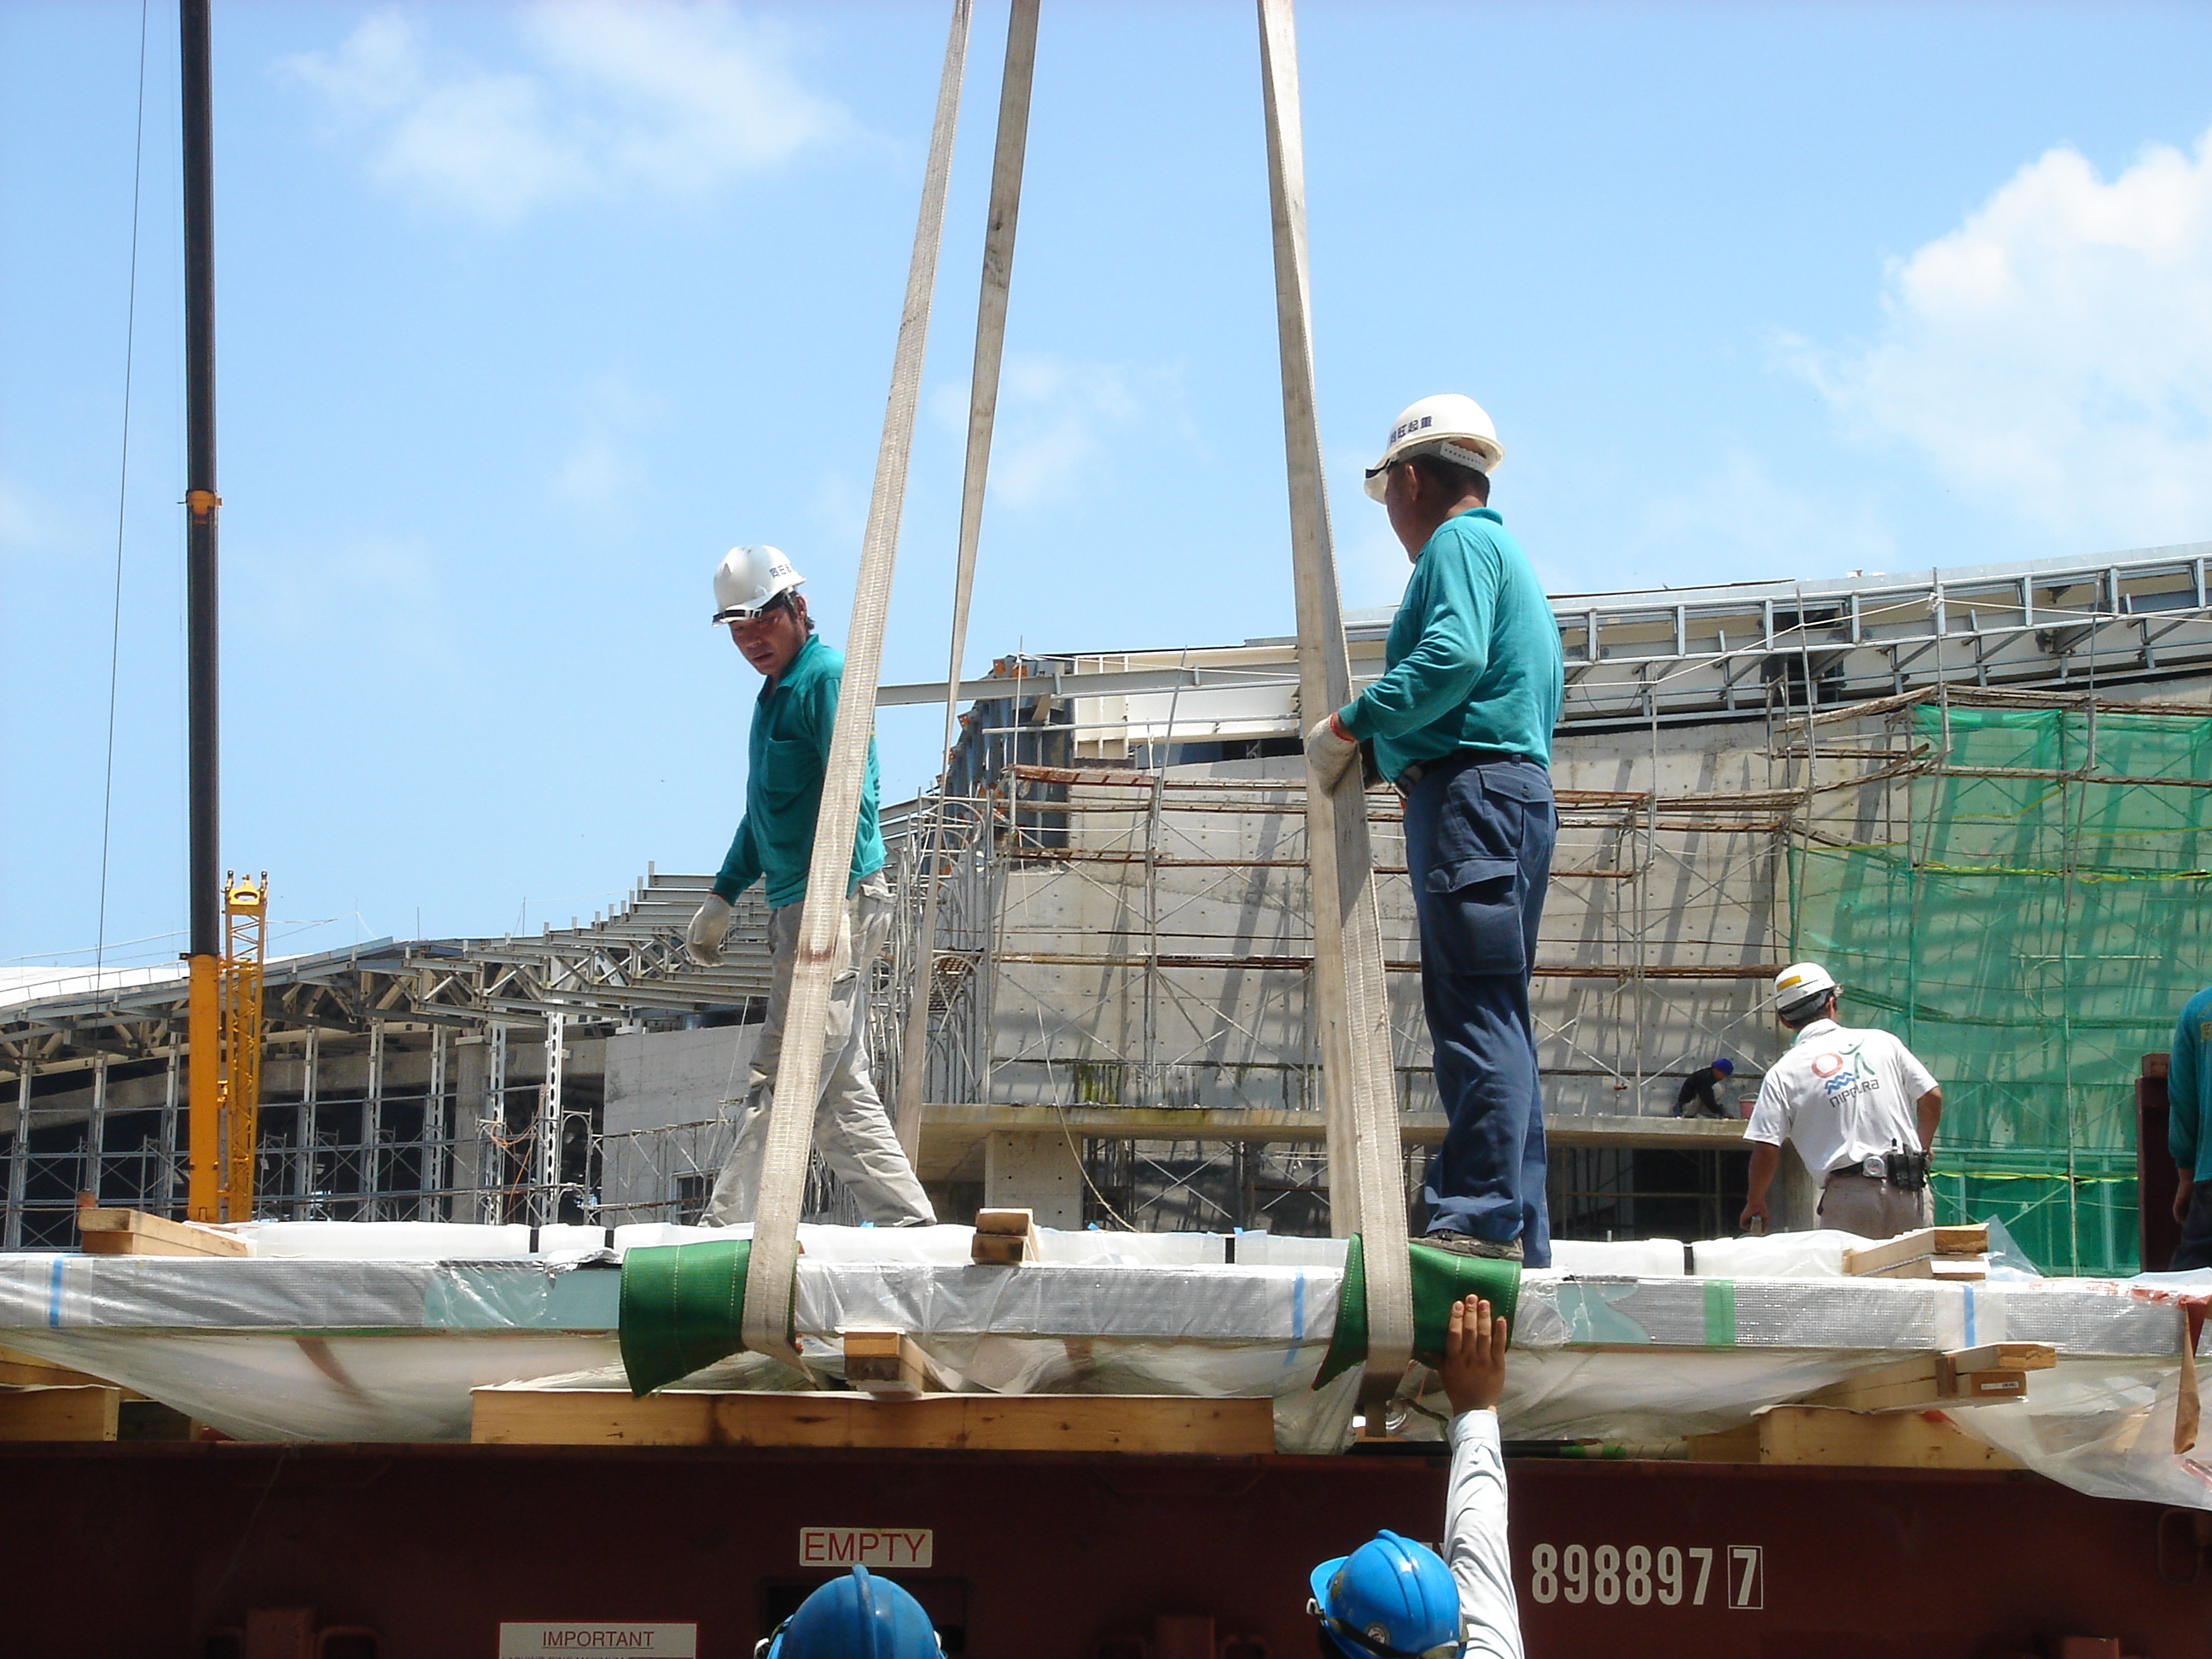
(133, 1232)
(985, 1422)
(25, 1370)
(1004, 1238)
(59, 1413)
(1821, 1435)
(2002, 1356)
(1926, 1242)
(1997, 1371)
(1729, 1446)
(888, 1365)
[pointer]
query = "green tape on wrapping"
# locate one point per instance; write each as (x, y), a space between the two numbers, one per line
(1440, 1278)
(1720, 1313)
(682, 1307)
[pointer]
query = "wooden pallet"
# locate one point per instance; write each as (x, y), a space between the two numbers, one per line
(85, 1412)
(133, 1232)
(1830, 1436)
(973, 1422)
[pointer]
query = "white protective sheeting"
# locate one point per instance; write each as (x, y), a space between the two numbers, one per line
(343, 1332)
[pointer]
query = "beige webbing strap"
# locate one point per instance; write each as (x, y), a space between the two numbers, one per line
(773, 1258)
(1366, 1164)
(982, 411)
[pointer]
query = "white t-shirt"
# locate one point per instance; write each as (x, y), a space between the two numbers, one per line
(1842, 1096)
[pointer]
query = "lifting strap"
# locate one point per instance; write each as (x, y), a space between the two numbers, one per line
(983, 410)
(773, 1262)
(1366, 1163)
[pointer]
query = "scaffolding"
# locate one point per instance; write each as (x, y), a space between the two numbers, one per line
(1889, 774)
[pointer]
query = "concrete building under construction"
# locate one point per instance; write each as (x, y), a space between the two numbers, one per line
(2010, 760)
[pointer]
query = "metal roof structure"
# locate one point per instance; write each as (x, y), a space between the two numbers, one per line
(626, 966)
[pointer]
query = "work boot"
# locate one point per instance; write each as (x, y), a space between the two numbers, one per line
(1467, 1245)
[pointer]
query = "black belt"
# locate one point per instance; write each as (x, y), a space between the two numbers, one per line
(1404, 780)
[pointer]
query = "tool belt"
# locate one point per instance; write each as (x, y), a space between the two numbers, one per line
(1906, 1171)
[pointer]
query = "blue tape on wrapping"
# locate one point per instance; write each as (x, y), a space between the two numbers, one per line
(54, 1293)
(1970, 1316)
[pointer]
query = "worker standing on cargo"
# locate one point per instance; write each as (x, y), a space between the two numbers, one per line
(1461, 722)
(2188, 1132)
(756, 595)
(1701, 1087)
(1398, 1600)
(1861, 1109)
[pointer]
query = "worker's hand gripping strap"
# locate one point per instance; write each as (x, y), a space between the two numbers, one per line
(1438, 1279)
(799, 1069)
(682, 1307)
(1349, 1009)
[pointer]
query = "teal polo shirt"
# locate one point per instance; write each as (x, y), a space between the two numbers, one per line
(1473, 658)
(787, 753)
(2189, 1090)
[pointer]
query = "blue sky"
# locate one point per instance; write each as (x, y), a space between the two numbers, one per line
(527, 312)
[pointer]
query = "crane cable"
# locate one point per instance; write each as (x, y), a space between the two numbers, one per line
(121, 496)
(772, 1266)
(1367, 1183)
(983, 412)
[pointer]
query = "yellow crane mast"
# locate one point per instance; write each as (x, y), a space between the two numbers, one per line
(225, 1052)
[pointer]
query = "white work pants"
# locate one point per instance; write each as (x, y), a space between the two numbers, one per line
(852, 1131)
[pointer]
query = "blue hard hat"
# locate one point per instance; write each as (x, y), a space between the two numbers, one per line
(1390, 1597)
(856, 1617)
(1724, 1066)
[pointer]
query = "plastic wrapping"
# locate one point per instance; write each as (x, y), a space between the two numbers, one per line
(338, 1332)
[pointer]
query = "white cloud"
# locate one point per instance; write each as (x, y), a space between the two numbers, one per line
(595, 473)
(1054, 419)
(2052, 355)
(675, 98)
(1737, 524)
(17, 523)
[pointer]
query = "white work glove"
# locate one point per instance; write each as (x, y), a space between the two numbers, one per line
(1332, 749)
(703, 938)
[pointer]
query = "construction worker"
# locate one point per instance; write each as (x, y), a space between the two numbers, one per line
(2189, 1114)
(1398, 1600)
(1701, 1087)
(1861, 1109)
(859, 1616)
(1461, 722)
(756, 595)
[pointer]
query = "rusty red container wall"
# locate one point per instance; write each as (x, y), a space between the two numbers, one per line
(144, 1550)
(2157, 1234)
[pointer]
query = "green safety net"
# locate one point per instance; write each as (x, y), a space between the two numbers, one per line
(1440, 1279)
(2030, 938)
(682, 1307)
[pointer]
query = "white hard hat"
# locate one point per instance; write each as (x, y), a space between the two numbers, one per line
(747, 579)
(1802, 981)
(1448, 425)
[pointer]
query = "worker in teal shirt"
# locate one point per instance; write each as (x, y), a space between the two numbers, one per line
(1461, 722)
(2188, 1132)
(756, 594)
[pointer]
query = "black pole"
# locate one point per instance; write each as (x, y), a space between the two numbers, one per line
(200, 499)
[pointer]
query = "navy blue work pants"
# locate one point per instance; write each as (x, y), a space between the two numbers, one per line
(1478, 839)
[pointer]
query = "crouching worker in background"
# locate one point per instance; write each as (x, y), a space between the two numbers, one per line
(1393, 1598)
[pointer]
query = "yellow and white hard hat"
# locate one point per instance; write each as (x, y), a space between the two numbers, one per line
(1801, 981)
(747, 579)
(1450, 426)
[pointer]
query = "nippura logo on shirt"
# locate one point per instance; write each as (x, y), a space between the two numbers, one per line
(1826, 1064)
